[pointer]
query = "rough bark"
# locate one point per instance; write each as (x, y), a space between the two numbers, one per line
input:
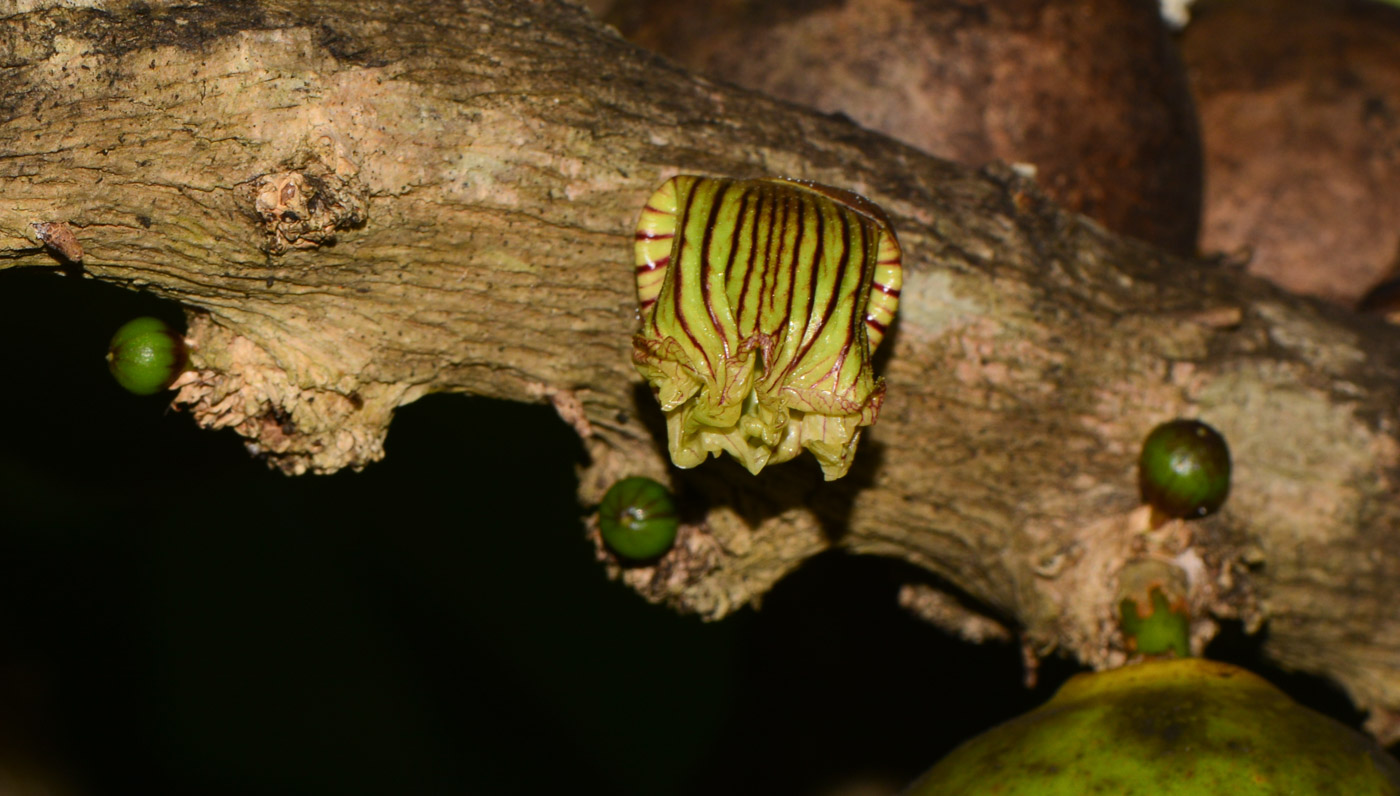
(363, 203)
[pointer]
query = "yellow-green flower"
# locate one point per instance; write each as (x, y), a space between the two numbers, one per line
(761, 302)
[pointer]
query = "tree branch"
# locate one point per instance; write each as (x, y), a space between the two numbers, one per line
(363, 204)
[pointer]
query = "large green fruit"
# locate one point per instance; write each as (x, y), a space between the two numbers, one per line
(1187, 727)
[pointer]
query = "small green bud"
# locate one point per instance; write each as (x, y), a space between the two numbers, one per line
(1162, 628)
(146, 355)
(638, 518)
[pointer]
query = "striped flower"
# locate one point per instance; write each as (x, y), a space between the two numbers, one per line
(761, 303)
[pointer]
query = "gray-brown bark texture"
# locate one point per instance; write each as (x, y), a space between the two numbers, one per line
(361, 203)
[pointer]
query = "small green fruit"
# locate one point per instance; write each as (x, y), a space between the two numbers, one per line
(1188, 727)
(1184, 470)
(638, 518)
(1158, 627)
(146, 355)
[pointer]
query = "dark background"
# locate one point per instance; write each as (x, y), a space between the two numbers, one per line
(174, 616)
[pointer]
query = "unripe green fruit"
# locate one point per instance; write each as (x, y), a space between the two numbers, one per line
(1157, 627)
(1188, 727)
(638, 518)
(146, 355)
(1184, 470)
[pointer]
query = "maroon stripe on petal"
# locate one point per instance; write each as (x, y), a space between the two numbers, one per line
(677, 303)
(874, 324)
(818, 254)
(707, 263)
(652, 266)
(745, 200)
(793, 206)
(888, 291)
(855, 244)
(755, 230)
(650, 236)
(816, 262)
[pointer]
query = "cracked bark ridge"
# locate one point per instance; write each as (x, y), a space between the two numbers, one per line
(503, 149)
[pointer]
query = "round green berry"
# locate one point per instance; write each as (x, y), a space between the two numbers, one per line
(638, 518)
(146, 355)
(1184, 470)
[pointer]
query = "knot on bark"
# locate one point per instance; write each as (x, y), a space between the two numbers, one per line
(304, 210)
